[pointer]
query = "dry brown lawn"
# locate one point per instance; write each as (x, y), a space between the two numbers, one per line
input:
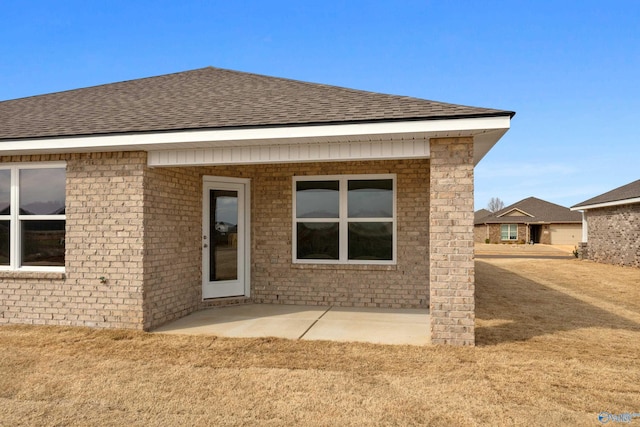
(558, 342)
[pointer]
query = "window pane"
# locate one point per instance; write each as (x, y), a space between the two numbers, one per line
(370, 198)
(42, 191)
(504, 232)
(42, 243)
(318, 240)
(371, 241)
(509, 232)
(317, 199)
(4, 242)
(5, 192)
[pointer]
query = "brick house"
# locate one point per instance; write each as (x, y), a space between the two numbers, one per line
(132, 204)
(611, 226)
(530, 220)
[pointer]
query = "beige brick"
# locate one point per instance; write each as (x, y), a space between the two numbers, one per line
(140, 228)
(77, 297)
(614, 233)
(451, 238)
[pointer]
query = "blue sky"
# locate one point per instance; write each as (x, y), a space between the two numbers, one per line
(570, 69)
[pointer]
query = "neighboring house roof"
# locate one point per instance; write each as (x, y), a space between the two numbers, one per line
(532, 210)
(211, 98)
(627, 194)
(479, 214)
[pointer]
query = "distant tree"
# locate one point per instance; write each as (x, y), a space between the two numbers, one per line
(495, 204)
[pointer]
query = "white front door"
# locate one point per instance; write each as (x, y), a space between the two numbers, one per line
(225, 237)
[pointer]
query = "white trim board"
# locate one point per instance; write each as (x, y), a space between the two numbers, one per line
(607, 204)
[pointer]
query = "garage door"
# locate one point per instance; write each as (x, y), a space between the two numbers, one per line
(566, 234)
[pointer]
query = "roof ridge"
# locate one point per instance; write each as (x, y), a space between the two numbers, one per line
(551, 203)
(247, 73)
(101, 85)
(360, 91)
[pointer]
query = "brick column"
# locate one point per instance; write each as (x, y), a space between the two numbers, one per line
(451, 256)
(104, 240)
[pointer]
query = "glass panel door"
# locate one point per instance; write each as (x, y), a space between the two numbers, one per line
(224, 239)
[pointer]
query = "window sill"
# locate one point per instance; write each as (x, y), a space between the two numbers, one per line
(29, 275)
(336, 266)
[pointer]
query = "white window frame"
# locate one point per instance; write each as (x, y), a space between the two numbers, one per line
(15, 218)
(343, 219)
(510, 227)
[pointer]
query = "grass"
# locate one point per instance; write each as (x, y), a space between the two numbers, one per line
(558, 342)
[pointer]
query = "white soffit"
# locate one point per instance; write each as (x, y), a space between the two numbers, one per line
(484, 142)
(289, 153)
(364, 141)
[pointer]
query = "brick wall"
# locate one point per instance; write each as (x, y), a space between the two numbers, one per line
(104, 211)
(452, 288)
(104, 236)
(173, 224)
(139, 228)
(614, 235)
(495, 233)
(480, 233)
(277, 280)
(545, 234)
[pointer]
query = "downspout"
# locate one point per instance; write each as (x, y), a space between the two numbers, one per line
(585, 227)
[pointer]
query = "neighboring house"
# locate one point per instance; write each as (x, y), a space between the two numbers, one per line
(479, 214)
(530, 221)
(611, 228)
(132, 204)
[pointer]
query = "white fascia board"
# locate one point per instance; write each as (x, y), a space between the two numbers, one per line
(607, 204)
(253, 136)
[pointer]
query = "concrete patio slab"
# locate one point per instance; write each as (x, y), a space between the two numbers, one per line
(248, 321)
(380, 326)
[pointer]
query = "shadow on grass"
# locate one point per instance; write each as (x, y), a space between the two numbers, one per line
(512, 308)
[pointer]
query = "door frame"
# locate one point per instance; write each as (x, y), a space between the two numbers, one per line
(245, 216)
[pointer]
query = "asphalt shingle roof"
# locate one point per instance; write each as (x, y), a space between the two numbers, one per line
(210, 98)
(480, 214)
(628, 191)
(540, 211)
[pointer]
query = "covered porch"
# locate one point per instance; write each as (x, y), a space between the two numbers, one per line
(243, 189)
